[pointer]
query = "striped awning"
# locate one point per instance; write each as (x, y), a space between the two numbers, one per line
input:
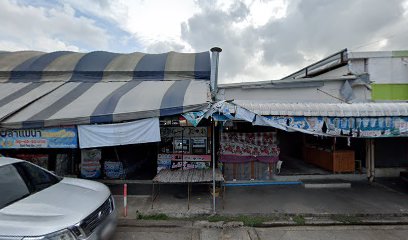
(63, 88)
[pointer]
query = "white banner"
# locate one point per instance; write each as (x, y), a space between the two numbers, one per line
(141, 131)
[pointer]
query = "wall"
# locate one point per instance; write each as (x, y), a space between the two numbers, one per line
(388, 72)
(305, 94)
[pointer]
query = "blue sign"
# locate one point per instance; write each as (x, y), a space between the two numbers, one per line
(39, 138)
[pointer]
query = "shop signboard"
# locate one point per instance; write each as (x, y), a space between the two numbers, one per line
(39, 138)
(183, 132)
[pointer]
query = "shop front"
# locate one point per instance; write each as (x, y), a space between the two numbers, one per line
(291, 141)
(184, 146)
(115, 101)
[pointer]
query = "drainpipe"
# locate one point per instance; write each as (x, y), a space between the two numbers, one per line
(215, 52)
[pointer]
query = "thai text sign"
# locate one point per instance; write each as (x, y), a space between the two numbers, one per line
(39, 138)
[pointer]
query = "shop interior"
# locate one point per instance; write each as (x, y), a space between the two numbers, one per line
(305, 154)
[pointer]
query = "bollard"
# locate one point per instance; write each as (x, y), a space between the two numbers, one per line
(125, 199)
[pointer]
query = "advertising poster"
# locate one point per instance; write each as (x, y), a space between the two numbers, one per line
(113, 170)
(185, 161)
(90, 163)
(39, 138)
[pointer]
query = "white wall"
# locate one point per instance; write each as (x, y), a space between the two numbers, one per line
(388, 70)
(310, 94)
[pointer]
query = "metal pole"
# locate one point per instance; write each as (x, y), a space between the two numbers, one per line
(182, 148)
(125, 208)
(213, 160)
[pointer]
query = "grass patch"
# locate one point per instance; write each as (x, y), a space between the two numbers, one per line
(250, 221)
(160, 216)
(345, 219)
(299, 220)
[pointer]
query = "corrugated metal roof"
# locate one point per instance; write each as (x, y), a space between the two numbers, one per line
(325, 109)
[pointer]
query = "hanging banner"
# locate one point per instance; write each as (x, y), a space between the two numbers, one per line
(368, 126)
(194, 117)
(39, 138)
(343, 126)
(141, 131)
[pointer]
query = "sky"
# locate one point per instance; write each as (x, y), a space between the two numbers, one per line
(261, 39)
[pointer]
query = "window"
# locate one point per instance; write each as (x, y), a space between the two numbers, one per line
(12, 186)
(37, 178)
(21, 179)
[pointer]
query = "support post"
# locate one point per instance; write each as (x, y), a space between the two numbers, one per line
(152, 194)
(370, 159)
(372, 155)
(188, 196)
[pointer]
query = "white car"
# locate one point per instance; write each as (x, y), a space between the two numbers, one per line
(35, 204)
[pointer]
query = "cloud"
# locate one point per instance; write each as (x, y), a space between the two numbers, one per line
(47, 29)
(261, 39)
(295, 34)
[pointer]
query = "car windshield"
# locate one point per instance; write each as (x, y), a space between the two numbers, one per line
(22, 179)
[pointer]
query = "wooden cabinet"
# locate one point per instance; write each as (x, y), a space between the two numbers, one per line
(338, 161)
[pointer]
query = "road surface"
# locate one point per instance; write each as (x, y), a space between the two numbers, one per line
(395, 232)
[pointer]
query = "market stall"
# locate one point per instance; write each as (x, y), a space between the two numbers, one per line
(189, 177)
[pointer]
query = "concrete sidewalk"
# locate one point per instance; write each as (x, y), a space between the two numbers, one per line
(363, 200)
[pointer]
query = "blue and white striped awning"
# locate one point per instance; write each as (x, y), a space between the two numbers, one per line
(40, 89)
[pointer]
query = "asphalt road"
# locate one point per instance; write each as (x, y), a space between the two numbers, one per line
(396, 232)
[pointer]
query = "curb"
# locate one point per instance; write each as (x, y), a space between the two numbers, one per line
(338, 220)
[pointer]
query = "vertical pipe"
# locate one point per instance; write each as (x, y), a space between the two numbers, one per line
(125, 199)
(215, 51)
(214, 71)
(213, 160)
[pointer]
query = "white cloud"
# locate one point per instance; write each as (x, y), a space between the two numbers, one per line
(261, 39)
(279, 37)
(39, 28)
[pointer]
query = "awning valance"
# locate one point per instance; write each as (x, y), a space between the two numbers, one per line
(65, 88)
(325, 109)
